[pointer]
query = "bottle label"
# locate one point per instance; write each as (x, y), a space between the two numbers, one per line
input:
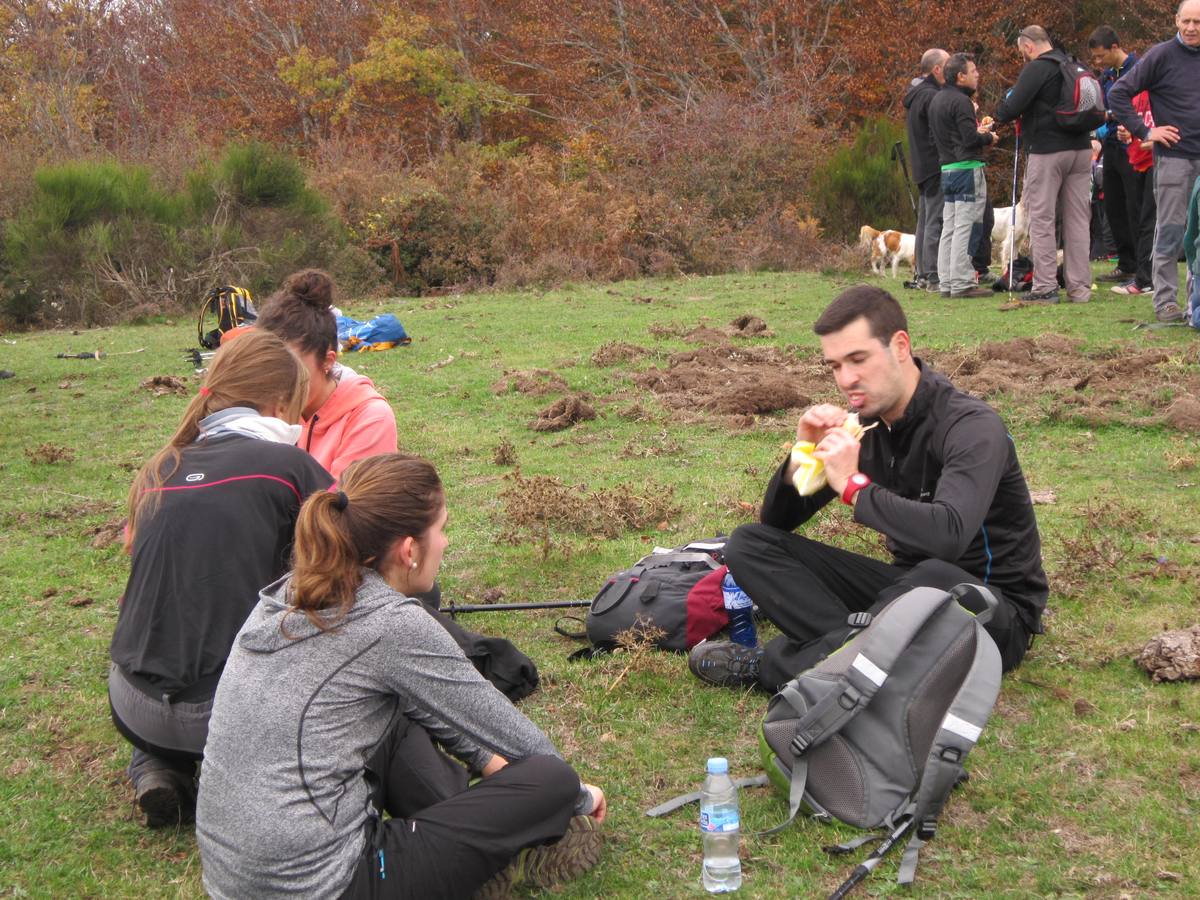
(718, 821)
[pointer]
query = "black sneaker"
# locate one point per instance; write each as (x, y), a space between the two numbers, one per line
(546, 865)
(916, 284)
(164, 800)
(725, 663)
(1116, 275)
(1042, 297)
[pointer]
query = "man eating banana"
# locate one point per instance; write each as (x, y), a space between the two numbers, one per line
(929, 467)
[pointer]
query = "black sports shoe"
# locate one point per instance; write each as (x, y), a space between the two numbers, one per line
(1041, 297)
(725, 663)
(1116, 275)
(546, 865)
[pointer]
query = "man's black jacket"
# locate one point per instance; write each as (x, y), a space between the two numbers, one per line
(946, 484)
(1033, 99)
(955, 132)
(922, 151)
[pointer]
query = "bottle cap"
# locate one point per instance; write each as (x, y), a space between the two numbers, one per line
(718, 765)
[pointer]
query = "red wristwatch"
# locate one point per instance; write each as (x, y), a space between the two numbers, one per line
(856, 483)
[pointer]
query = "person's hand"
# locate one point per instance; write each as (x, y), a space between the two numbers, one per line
(818, 420)
(1123, 134)
(495, 764)
(599, 804)
(1167, 135)
(839, 451)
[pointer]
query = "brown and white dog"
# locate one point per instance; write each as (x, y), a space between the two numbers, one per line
(866, 236)
(892, 247)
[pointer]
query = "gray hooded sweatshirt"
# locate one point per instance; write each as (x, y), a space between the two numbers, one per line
(283, 801)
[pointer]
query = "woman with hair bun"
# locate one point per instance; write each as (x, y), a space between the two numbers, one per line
(344, 417)
(337, 690)
(211, 517)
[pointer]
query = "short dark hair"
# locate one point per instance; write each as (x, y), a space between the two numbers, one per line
(881, 310)
(1105, 37)
(956, 65)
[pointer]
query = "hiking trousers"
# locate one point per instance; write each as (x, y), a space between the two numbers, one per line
(1173, 180)
(929, 228)
(1121, 195)
(965, 194)
(809, 589)
(446, 839)
(1060, 183)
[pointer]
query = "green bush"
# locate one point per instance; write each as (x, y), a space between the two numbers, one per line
(861, 184)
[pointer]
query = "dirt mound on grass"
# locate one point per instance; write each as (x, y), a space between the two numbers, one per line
(1173, 655)
(564, 413)
(1121, 384)
(162, 385)
(735, 381)
(750, 326)
(535, 383)
(617, 351)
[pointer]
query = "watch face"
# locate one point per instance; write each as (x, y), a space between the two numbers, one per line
(859, 478)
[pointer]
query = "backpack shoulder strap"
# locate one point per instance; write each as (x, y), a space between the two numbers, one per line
(684, 799)
(957, 734)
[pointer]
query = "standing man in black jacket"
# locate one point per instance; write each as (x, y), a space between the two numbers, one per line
(960, 144)
(926, 171)
(938, 476)
(1058, 176)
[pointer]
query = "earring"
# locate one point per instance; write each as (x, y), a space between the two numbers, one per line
(413, 566)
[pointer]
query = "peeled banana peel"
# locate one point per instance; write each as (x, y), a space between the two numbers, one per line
(809, 476)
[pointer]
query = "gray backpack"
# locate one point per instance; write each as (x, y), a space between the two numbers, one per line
(875, 735)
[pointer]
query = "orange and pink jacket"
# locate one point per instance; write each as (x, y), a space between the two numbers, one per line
(355, 422)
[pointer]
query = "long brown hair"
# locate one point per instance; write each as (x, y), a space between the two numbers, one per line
(301, 312)
(257, 370)
(381, 500)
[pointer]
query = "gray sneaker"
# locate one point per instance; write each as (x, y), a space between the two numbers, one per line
(546, 865)
(1169, 312)
(725, 663)
(1041, 297)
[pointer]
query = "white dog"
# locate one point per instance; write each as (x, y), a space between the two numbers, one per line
(1000, 232)
(892, 247)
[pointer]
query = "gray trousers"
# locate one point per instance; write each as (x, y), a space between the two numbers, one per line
(965, 194)
(165, 736)
(1173, 180)
(929, 228)
(1060, 183)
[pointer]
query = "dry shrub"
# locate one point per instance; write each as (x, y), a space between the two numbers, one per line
(505, 453)
(533, 506)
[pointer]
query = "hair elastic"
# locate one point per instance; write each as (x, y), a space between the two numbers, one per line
(205, 392)
(341, 501)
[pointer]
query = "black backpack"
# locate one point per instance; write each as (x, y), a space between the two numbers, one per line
(233, 306)
(1081, 102)
(675, 591)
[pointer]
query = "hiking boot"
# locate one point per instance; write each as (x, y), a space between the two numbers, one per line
(915, 284)
(1131, 289)
(546, 865)
(971, 292)
(725, 663)
(1169, 312)
(1116, 275)
(164, 800)
(1042, 297)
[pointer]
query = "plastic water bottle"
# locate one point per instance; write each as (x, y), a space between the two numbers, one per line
(741, 613)
(720, 827)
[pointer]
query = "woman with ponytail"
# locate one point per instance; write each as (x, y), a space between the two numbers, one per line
(337, 695)
(211, 517)
(344, 417)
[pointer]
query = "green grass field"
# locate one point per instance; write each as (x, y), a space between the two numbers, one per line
(1085, 784)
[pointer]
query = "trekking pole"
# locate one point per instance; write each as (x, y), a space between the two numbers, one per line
(898, 153)
(96, 354)
(454, 609)
(1012, 228)
(863, 869)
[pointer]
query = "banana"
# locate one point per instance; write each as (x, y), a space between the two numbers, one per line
(809, 476)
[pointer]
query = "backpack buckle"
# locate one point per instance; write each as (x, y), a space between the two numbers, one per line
(951, 754)
(849, 699)
(800, 744)
(927, 829)
(859, 619)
